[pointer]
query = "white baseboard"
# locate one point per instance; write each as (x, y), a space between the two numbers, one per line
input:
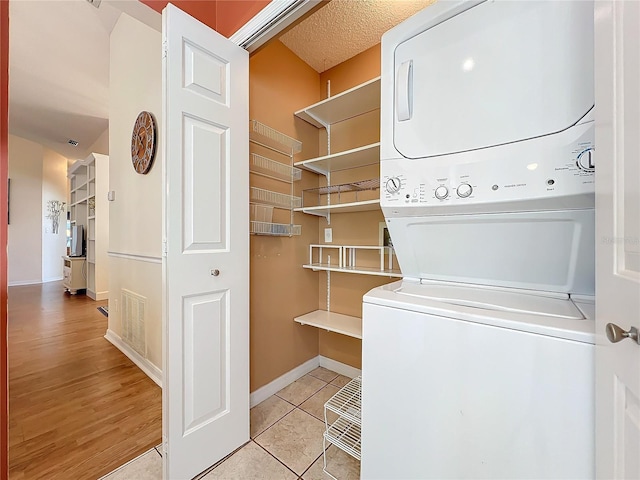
(52, 279)
(25, 282)
(153, 372)
(97, 296)
(261, 394)
(339, 367)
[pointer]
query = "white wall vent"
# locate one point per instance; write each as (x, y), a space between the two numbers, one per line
(133, 331)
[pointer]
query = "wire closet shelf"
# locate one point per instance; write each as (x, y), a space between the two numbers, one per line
(262, 200)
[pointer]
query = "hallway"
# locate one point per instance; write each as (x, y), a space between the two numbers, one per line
(78, 408)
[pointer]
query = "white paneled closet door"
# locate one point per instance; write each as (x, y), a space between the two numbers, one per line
(206, 265)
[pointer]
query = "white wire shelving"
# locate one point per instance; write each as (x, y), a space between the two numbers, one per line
(262, 200)
(261, 165)
(350, 197)
(345, 432)
(275, 229)
(373, 260)
(268, 137)
(275, 199)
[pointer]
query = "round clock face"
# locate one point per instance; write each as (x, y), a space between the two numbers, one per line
(143, 142)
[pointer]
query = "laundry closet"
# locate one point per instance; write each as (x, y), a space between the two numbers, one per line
(282, 289)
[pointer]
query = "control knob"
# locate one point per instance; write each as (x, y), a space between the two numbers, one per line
(586, 160)
(393, 185)
(464, 190)
(442, 192)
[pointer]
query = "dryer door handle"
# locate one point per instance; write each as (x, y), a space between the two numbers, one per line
(404, 91)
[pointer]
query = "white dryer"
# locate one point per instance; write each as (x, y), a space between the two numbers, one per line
(479, 363)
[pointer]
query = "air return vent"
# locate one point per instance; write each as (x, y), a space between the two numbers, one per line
(133, 332)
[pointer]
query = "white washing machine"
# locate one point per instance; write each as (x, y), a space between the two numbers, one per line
(472, 383)
(479, 363)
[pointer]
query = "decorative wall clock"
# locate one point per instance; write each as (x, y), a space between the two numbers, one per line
(143, 142)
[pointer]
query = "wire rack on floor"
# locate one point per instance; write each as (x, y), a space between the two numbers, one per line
(345, 432)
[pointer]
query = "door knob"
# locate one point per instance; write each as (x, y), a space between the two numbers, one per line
(615, 333)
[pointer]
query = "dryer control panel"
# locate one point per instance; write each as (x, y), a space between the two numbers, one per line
(547, 168)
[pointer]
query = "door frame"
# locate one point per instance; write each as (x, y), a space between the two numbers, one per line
(267, 24)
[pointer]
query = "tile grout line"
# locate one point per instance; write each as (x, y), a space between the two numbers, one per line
(289, 468)
(277, 459)
(310, 374)
(295, 407)
(307, 398)
(274, 423)
(318, 458)
(220, 462)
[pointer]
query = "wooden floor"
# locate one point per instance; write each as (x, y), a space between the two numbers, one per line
(78, 408)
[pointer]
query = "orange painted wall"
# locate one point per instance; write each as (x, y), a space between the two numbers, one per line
(279, 84)
(233, 14)
(203, 10)
(224, 16)
(4, 166)
(350, 228)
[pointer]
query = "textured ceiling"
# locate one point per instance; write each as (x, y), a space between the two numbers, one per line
(344, 28)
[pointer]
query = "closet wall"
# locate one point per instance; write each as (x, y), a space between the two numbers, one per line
(280, 289)
(350, 228)
(280, 84)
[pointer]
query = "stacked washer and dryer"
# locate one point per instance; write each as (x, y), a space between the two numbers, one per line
(480, 362)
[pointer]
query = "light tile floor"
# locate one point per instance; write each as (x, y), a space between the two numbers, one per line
(286, 440)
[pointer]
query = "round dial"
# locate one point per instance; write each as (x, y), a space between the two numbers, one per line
(143, 142)
(393, 185)
(464, 190)
(586, 160)
(442, 192)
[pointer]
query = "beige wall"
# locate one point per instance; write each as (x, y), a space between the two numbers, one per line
(135, 85)
(101, 145)
(25, 211)
(135, 217)
(101, 274)
(54, 187)
(37, 175)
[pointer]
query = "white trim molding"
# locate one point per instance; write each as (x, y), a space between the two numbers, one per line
(97, 296)
(339, 367)
(137, 258)
(52, 279)
(25, 282)
(261, 394)
(153, 372)
(270, 21)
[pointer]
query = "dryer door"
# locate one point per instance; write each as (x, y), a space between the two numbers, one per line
(497, 73)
